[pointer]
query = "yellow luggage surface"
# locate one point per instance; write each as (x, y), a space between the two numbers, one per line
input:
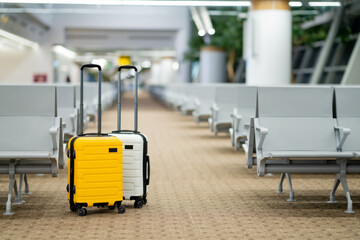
(95, 164)
(97, 170)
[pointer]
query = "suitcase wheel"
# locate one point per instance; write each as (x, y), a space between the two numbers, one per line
(145, 200)
(139, 203)
(73, 207)
(121, 209)
(82, 211)
(111, 207)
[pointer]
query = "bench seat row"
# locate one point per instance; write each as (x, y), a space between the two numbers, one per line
(36, 121)
(284, 129)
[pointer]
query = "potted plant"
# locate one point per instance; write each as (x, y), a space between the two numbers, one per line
(218, 53)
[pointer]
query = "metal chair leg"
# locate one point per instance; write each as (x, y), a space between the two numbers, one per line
(332, 193)
(11, 184)
(291, 195)
(280, 189)
(27, 192)
(347, 193)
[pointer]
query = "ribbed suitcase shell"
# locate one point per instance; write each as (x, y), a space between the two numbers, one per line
(134, 165)
(135, 151)
(98, 173)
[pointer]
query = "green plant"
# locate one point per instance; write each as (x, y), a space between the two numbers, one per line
(228, 35)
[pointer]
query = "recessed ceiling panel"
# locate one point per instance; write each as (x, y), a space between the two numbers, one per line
(114, 39)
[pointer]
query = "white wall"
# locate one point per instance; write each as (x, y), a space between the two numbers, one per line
(66, 68)
(20, 65)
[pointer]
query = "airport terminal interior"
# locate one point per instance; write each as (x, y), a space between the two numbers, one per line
(154, 119)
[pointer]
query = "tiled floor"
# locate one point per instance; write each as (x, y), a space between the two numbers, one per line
(199, 189)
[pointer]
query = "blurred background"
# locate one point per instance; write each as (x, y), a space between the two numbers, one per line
(181, 41)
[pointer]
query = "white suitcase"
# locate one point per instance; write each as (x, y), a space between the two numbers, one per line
(136, 162)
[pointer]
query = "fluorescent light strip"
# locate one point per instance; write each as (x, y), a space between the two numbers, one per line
(166, 3)
(64, 51)
(197, 20)
(137, 3)
(295, 4)
(324, 4)
(18, 39)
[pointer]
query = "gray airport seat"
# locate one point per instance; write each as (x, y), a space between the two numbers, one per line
(294, 128)
(158, 91)
(173, 95)
(244, 110)
(189, 98)
(226, 96)
(179, 96)
(66, 109)
(348, 116)
(31, 139)
(203, 103)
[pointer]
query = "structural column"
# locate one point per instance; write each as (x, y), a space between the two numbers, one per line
(212, 65)
(268, 43)
(167, 72)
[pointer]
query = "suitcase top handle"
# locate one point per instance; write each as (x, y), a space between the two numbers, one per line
(82, 98)
(136, 98)
(90, 66)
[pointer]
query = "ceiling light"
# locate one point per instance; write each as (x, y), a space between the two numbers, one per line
(137, 3)
(101, 61)
(64, 51)
(295, 4)
(211, 31)
(205, 17)
(324, 4)
(201, 32)
(197, 20)
(146, 64)
(175, 66)
(18, 39)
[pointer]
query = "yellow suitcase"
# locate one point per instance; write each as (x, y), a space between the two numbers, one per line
(95, 174)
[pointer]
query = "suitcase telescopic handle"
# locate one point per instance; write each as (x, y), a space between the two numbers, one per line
(136, 98)
(82, 97)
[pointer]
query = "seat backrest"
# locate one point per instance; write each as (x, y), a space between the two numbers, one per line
(246, 105)
(246, 98)
(295, 101)
(27, 112)
(206, 93)
(27, 100)
(226, 95)
(66, 97)
(347, 101)
(26, 133)
(90, 93)
(297, 118)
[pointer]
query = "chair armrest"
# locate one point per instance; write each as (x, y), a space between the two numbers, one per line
(215, 110)
(236, 119)
(197, 105)
(72, 117)
(263, 133)
(54, 131)
(345, 132)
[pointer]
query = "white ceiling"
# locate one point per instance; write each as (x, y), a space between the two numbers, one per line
(115, 39)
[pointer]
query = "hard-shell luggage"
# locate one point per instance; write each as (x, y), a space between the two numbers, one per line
(136, 162)
(95, 165)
